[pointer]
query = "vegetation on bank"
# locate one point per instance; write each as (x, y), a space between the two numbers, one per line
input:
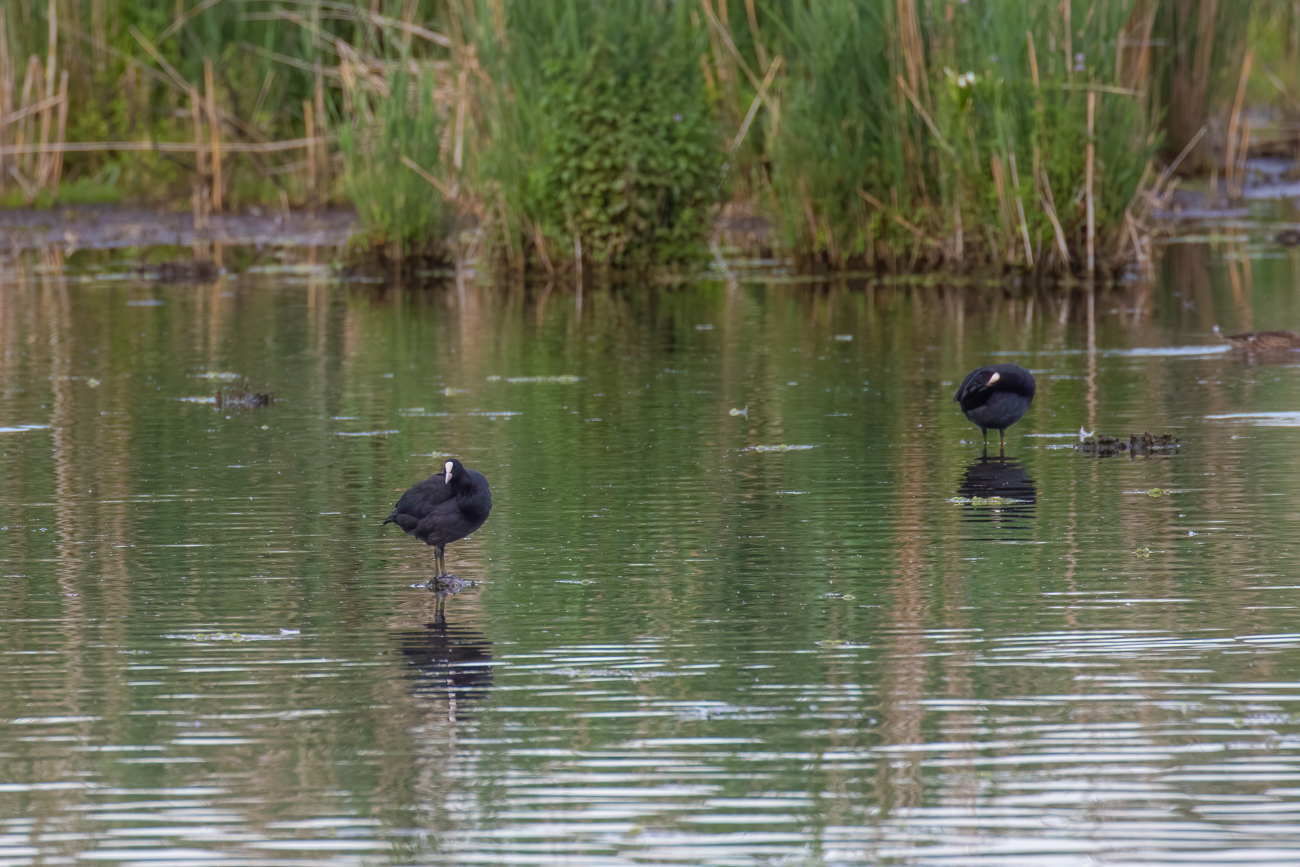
(886, 134)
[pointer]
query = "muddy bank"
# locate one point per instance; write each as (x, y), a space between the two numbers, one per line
(122, 227)
(125, 227)
(116, 227)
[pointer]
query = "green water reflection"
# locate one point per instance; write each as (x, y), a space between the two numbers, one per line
(742, 598)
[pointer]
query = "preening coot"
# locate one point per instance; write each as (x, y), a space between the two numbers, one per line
(996, 395)
(443, 508)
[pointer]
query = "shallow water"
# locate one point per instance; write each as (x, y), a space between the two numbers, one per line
(743, 600)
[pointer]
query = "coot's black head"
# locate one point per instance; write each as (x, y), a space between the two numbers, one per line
(453, 472)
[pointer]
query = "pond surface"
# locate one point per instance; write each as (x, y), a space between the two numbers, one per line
(743, 600)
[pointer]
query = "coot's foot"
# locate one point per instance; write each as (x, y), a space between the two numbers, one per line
(445, 585)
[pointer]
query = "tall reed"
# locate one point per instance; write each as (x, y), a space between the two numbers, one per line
(954, 133)
(393, 168)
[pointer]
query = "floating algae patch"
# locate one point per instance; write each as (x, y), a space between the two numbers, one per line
(778, 448)
(1146, 443)
(233, 399)
(232, 636)
(988, 501)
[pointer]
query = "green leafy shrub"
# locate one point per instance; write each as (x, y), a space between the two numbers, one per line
(601, 133)
(629, 158)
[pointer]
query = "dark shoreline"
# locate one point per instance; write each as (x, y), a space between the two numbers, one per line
(132, 226)
(119, 227)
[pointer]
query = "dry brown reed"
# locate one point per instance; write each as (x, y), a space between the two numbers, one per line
(214, 132)
(34, 128)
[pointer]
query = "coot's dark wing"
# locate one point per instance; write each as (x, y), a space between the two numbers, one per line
(447, 522)
(420, 501)
(478, 497)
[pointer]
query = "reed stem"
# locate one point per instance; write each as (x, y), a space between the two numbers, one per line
(1089, 175)
(214, 133)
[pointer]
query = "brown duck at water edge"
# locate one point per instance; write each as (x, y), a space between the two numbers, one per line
(447, 506)
(1262, 341)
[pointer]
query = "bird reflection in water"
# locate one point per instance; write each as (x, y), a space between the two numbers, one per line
(452, 664)
(999, 491)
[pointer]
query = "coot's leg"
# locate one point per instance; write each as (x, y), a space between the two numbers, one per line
(438, 558)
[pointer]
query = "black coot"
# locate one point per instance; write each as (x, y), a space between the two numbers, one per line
(443, 508)
(996, 395)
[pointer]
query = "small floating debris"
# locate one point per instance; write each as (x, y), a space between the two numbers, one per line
(779, 448)
(744, 412)
(19, 428)
(180, 271)
(243, 399)
(1145, 443)
(988, 501)
(421, 412)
